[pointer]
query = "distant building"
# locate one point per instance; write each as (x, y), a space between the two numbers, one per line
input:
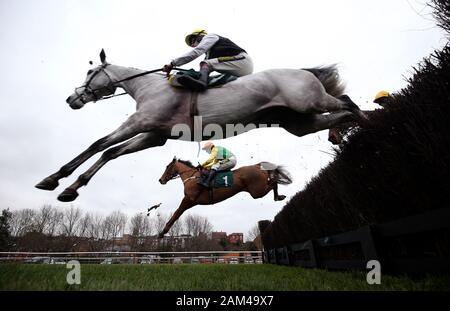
(258, 243)
(217, 236)
(178, 240)
(236, 238)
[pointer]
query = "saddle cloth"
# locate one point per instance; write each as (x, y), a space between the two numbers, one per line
(223, 179)
(214, 80)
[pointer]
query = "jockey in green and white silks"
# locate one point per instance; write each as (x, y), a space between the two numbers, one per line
(222, 55)
(220, 159)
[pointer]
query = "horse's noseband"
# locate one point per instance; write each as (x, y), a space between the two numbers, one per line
(95, 93)
(173, 176)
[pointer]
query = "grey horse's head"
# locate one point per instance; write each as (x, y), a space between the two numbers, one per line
(98, 83)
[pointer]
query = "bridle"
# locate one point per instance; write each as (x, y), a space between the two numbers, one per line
(178, 174)
(111, 86)
(88, 90)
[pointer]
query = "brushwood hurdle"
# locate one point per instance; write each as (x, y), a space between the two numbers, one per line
(412, 245)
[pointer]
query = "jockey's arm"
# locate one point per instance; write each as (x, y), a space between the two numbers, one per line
(212, 159)
(207, 42)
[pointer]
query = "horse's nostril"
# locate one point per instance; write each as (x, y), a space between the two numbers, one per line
(68, 100)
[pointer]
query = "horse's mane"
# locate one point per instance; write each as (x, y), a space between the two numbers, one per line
(188, 163)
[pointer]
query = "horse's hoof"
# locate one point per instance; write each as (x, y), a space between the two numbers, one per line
(161, 235)
(280, 198)
(68, 195)
(48, 184)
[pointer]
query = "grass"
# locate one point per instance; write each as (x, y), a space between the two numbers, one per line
(188, 277)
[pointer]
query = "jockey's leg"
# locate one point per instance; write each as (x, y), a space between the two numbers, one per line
(141, 142)
(200, 84)
(223, 165)
(212, 174)
(239, 65)
(206, 182)
(228, 164)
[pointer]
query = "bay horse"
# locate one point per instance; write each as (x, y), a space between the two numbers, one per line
(293, 99)
(258, 180)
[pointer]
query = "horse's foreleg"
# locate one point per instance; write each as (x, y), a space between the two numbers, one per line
(126, 131)
(141, 142)
(184, 205)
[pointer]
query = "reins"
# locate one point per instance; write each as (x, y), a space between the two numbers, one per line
(178, 174)
(115, 84)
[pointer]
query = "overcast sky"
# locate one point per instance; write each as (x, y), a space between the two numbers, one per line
(46, 46)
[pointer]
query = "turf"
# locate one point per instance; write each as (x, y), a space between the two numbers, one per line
(212, 277)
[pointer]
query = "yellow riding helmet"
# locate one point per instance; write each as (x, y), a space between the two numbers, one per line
(208, 145)
(195, 33)
(381, 94)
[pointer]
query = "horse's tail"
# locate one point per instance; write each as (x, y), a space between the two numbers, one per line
(329, 76)
(282, 176)
(279, 173)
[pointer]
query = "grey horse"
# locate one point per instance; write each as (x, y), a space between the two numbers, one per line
(293, 99)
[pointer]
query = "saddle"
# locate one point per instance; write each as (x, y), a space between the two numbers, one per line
(214, 80)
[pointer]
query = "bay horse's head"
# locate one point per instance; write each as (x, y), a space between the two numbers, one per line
(170, 173)
(98, 83)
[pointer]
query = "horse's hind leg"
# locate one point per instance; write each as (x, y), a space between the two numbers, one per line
(276, 196)
(127, 130)
(343, 102)
(314, 122)
(141, 142)
(352, 107)
(259, 190)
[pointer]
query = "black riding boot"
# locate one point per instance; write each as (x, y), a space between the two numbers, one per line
(207, 182)
(197, 85)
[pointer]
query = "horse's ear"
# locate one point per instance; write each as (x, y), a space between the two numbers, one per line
(103, 56)
(174, 158)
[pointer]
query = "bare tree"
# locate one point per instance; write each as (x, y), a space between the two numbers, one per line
(160, 222)
(47, 220)
(195, 225)
(55, 224)
(140, 229)
(105, 228)
(15, 223)
(177, 228)
(22, 222)
(95, 228)
(253, 233)
(116, 222)
(43, 217)
(71, 221)
(85, 226)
